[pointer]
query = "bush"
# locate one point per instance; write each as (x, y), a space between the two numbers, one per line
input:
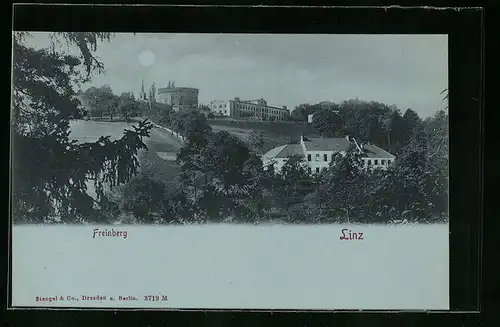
(144, 197)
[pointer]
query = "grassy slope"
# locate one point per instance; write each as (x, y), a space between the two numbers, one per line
(275, 133)
(154, 166)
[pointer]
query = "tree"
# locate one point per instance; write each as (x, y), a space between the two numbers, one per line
(293, 183)
(301, 111)
(256, 140)
(217, 175)
(50, 169)
(340, 193)
(127, 105)
(445, 97)
(193, 125)
(89, 100)
(100, 101)
(144, 197)
(413, 124)
(108, 100)
(327, 122)
(166, 114)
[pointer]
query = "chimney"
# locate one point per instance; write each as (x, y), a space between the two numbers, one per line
(301, 138)
(357, 145)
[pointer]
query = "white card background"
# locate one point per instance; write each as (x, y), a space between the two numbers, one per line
(234, 267)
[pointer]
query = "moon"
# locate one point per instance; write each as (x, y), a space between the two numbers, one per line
(146, 58)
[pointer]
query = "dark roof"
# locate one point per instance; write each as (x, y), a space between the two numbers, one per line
(290, 150)
(274, 152)
(342, 144)
(373, 151)
(284, 151)
(176, 88)
(326, 144)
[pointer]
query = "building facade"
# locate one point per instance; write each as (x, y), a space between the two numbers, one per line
(319, 152)
(180, 98)
(249, 109)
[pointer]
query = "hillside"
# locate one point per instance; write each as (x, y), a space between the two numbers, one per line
(275, 133)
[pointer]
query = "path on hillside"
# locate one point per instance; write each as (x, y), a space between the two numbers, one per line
(162, 142)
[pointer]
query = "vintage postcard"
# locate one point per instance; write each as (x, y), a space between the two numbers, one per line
(229, 171)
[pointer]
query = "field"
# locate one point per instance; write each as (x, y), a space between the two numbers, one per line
(159, 160)
(274, 133)
(236, 266)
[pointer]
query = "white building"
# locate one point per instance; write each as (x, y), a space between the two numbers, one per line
(249, 109)
(319, 152)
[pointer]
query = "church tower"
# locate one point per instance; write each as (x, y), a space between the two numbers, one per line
(142, 95)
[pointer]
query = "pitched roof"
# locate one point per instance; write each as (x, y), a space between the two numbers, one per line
(326, 144)
(273, 152)
(284, 151)
(290, 150)
(342, 144)
(373, 151)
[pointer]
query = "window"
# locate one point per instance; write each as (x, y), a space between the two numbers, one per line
(308, 157)
(382, 162)
(317, 156)
(317, 170)
(369, 162)
(309, 170)
(388, 162)
(376, 161)
(325, 157)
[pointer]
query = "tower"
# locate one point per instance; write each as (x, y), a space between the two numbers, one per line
(152, 93)
(142, 95)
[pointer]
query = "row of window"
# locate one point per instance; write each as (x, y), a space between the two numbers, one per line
(375, 162)
(369, 162)
(325, 157)
(269, 111)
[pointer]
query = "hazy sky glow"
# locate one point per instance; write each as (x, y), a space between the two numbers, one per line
(409, 71)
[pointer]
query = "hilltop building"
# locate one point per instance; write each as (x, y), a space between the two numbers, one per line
(145, 99)
(251, 109)
(318, 153)
(180, 98)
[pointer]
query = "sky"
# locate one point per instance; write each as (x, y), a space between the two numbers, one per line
(408, 71)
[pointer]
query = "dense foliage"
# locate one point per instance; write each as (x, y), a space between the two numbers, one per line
(50, 170)
(217, 177)
(222, 178)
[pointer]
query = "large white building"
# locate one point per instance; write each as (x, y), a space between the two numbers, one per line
(250, 109)
(319, 152)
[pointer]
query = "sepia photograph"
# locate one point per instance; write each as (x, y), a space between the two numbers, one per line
(230, 171)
